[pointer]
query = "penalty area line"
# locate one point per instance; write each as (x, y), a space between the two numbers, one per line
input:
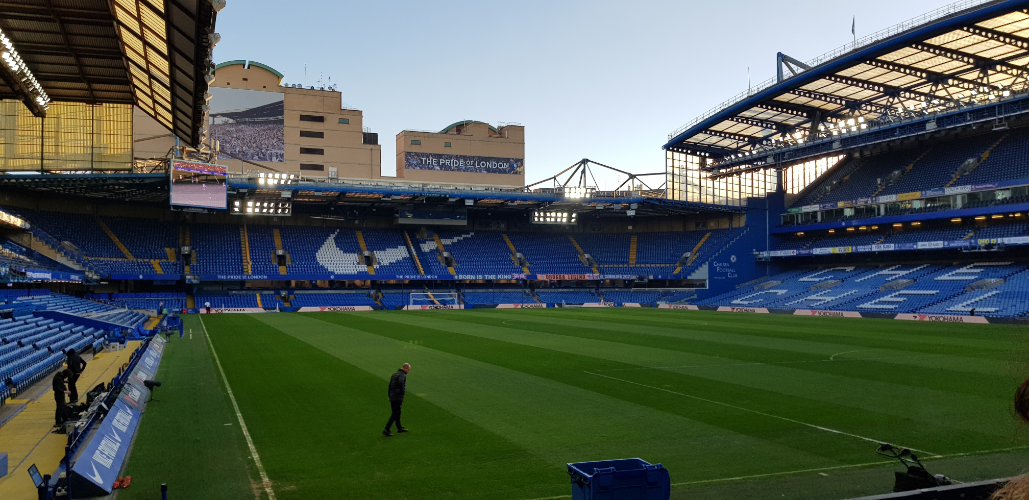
(740, 408)
(239, 416)
(849, 466)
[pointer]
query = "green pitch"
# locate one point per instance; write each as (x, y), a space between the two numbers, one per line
(734, 405)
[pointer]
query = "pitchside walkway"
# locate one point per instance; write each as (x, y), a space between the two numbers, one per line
(25, 432)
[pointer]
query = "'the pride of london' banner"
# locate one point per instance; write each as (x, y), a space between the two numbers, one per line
(461, 163)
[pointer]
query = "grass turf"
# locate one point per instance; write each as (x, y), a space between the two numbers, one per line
(740, 406)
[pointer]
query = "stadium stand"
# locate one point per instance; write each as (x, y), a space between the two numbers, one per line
(322, 299)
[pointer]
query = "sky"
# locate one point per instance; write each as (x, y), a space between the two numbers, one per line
(598, 79)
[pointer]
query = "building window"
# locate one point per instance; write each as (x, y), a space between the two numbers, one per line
(312, 151)
(312, 166)
(312, 118)
(344, 121)
(309, 133)
(416, 143)
(446, 144)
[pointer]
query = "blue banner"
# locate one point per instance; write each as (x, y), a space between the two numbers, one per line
(102, 457)
(890, 247)
(462, 163)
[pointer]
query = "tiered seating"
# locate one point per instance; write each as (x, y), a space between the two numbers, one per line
(937, 167)
(31, 348)
(227, 301)
(567, 296)
(394, 299)
(17, 256)
(262, 250)
(332, 299)
(677, 297)
(631, 296)
(81, 230)
(549, 253)
(864, 181)
(1009, 160)
(491, 297)
(481, 252)
(128, 319)
(218, 249)
(935, 234)
(390, 249)
(934, 289)
(149, 301)
(310, 250)
(145, 238)
(428, 253)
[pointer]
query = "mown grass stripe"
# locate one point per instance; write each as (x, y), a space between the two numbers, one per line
(570, 369)
(560, 422)
(317, 421)
(920, 405)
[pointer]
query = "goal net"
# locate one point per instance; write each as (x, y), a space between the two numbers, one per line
(434, 299)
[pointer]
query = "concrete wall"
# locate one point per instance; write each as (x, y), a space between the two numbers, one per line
(343, 143)
(472, 139)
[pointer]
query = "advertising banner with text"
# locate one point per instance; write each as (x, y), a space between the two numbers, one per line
(462, 163)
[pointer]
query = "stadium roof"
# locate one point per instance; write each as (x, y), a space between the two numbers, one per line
(152, 53)
(966, 55)
(317, 197)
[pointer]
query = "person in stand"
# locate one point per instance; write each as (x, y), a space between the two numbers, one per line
(207, 305)
(60, 392)
(396, 391)
(76, 365)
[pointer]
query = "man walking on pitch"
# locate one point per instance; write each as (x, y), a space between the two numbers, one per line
(397, 389)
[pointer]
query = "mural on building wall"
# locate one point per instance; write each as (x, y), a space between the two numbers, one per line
(248, 123)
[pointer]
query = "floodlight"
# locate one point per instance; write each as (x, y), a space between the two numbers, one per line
(861, 119)
(850, 121)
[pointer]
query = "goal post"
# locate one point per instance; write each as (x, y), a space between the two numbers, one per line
(431, 299)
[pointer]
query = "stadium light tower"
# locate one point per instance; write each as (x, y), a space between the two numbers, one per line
(18, 76)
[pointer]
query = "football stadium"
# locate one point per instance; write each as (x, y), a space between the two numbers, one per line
(208, 289)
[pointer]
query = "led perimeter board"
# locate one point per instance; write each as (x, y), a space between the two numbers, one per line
(199, 185)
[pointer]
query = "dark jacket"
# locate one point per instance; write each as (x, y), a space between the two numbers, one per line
(397, 386)
(59, 386)
(76, 364)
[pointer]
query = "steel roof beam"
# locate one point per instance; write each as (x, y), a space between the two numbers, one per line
(746, 139)
(929, 76)
(971, 60)
(998, 36)
(67, 45)
(757, 122)
(881, 88)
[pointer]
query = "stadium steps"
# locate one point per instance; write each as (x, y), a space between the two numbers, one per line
(818, 183)
(364, 248)
(724, 246)
(907, 169)
(31, 241)
(110, 234)
(414, 255)
(752, 282)
(431, 296)
(191, 301)
(184, 241)
(696, 250)
(582, 255)
(259, 304)
(153, 322)
(171, 254)
(440, 251)
(633, 242)
(244, 241)
(982, 158)
(157, 266)
(287, 300)
(514, 252)
(277, 236)
(969, 235)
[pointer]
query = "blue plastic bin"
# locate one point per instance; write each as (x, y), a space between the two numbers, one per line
(625, 479)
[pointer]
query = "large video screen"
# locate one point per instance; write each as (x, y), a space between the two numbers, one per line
(462, 163)
(248, 123)
(195, 184)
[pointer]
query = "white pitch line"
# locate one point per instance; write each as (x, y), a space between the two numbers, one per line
(239, 416)
(850, 466)
(727, 405)
(716, 365)
(833, 357)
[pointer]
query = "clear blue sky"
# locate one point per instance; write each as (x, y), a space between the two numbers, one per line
(589, 79)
